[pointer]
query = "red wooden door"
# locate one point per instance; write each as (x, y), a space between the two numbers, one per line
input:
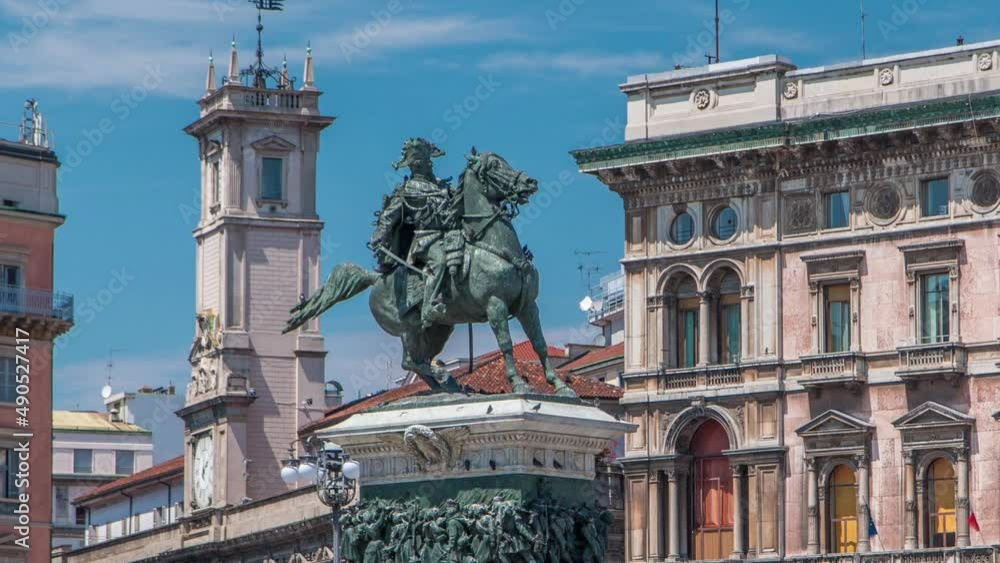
(712, 533)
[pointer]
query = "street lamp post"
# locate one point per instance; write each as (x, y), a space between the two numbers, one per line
(335, 476)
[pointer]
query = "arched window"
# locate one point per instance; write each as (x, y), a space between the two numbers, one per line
(712, 533)
(941, 485)
(728, 322)
(843, 510)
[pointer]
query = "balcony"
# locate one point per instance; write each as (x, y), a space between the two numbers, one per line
(234, 96)
(838, 369)
(611, 298)
(162, 516)
(932, 360)
(35, 310)
(701, 377)
(978, 554)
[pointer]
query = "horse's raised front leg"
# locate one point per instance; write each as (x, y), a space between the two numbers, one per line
(533, 328)
(497, 312)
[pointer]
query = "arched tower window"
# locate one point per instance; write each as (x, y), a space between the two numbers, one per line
(843, 510)
(712, 532)
(941, 520)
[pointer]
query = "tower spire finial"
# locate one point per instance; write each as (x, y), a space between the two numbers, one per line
(309, 73)
(234, 64)
(285, 82)
(210, 79)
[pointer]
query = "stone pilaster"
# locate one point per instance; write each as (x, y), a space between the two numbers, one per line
(739, 509)
(704, 328)
(674, 510)
(962, 497)
(864, 494)
(812, 508)
(910, 502)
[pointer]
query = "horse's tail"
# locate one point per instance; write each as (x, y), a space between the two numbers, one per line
(345, 281)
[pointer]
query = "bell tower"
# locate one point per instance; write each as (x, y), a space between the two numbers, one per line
(257, 252)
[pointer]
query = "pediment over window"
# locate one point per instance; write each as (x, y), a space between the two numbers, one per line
(273, 143)
(835, 433)
(933, 425)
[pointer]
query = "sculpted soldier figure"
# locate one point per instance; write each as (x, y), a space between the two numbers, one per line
(419, 224)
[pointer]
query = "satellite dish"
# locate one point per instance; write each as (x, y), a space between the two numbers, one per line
(106, 391)
(586, 303)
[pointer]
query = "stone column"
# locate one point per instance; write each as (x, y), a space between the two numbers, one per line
(704, 328)
(910, 502)
(962, 497)
(654, 527)
(674, 514)
(921, 502)
(738, 511)
(864, 542)
(812, 508)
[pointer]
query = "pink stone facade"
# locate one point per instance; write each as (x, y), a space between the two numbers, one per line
(819, 277)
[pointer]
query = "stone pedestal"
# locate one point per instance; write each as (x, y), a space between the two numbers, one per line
(522, 466)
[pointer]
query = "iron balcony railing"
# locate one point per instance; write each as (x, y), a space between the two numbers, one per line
(36, 302)
(611, 298)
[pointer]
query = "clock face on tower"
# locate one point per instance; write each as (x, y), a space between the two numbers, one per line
(203, 466)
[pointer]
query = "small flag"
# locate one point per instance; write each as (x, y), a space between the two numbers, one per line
(872, 530)
(973, 523)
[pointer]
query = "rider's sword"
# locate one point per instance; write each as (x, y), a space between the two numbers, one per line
(392, 255)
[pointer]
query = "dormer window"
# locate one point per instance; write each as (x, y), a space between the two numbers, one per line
(272, 179)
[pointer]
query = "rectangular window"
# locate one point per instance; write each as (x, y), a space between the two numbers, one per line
(837, 209)
(687, 338)
(124, 462)
(10, 288)
(8, 380)
(934, 307)
(934, 197)
(271, 179)
(81, 516)
(8, 473)
(216, 182)
(62, 502)
(729, 330)
(83, 461)
(838, 317)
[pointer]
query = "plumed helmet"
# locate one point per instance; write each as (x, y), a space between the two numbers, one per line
(415, 150)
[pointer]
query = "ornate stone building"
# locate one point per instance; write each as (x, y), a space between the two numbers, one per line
(812, 309)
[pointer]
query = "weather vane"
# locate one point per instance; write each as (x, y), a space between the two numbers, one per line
(258, 73)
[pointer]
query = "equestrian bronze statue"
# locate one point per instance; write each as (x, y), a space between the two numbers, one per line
(446, 256)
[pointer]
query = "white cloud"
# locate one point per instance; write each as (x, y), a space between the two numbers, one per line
(574, 62)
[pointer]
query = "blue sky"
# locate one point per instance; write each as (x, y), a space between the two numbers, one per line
(390, 69)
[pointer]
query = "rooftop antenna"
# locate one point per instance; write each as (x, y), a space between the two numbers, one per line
(258, 73)
(33, 125)
(715, 58)
(584, 267)
(106, 390)
(864, 52)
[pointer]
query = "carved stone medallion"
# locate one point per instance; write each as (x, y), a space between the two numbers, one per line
(985, 61)
(800, 214)
(791, 91)
(702, 99)
(985, 191)
(883, 203)
(886, 76)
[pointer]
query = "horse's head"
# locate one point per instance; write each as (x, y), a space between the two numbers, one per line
(501, 182)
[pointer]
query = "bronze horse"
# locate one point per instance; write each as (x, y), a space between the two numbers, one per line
(497, 282)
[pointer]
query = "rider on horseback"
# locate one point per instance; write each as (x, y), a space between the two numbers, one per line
(414, 218)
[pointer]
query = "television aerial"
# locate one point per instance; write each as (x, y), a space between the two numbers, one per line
(106, 390)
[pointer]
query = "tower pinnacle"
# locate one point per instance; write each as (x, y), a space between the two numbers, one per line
(234, 64)
(309, 73)
(210, 79)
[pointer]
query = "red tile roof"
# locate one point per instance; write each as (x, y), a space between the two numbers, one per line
(489, 377)
(165, 469)
(523, 351)
(596, 356)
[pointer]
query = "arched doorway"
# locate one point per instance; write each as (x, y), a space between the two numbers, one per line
(712, 495)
